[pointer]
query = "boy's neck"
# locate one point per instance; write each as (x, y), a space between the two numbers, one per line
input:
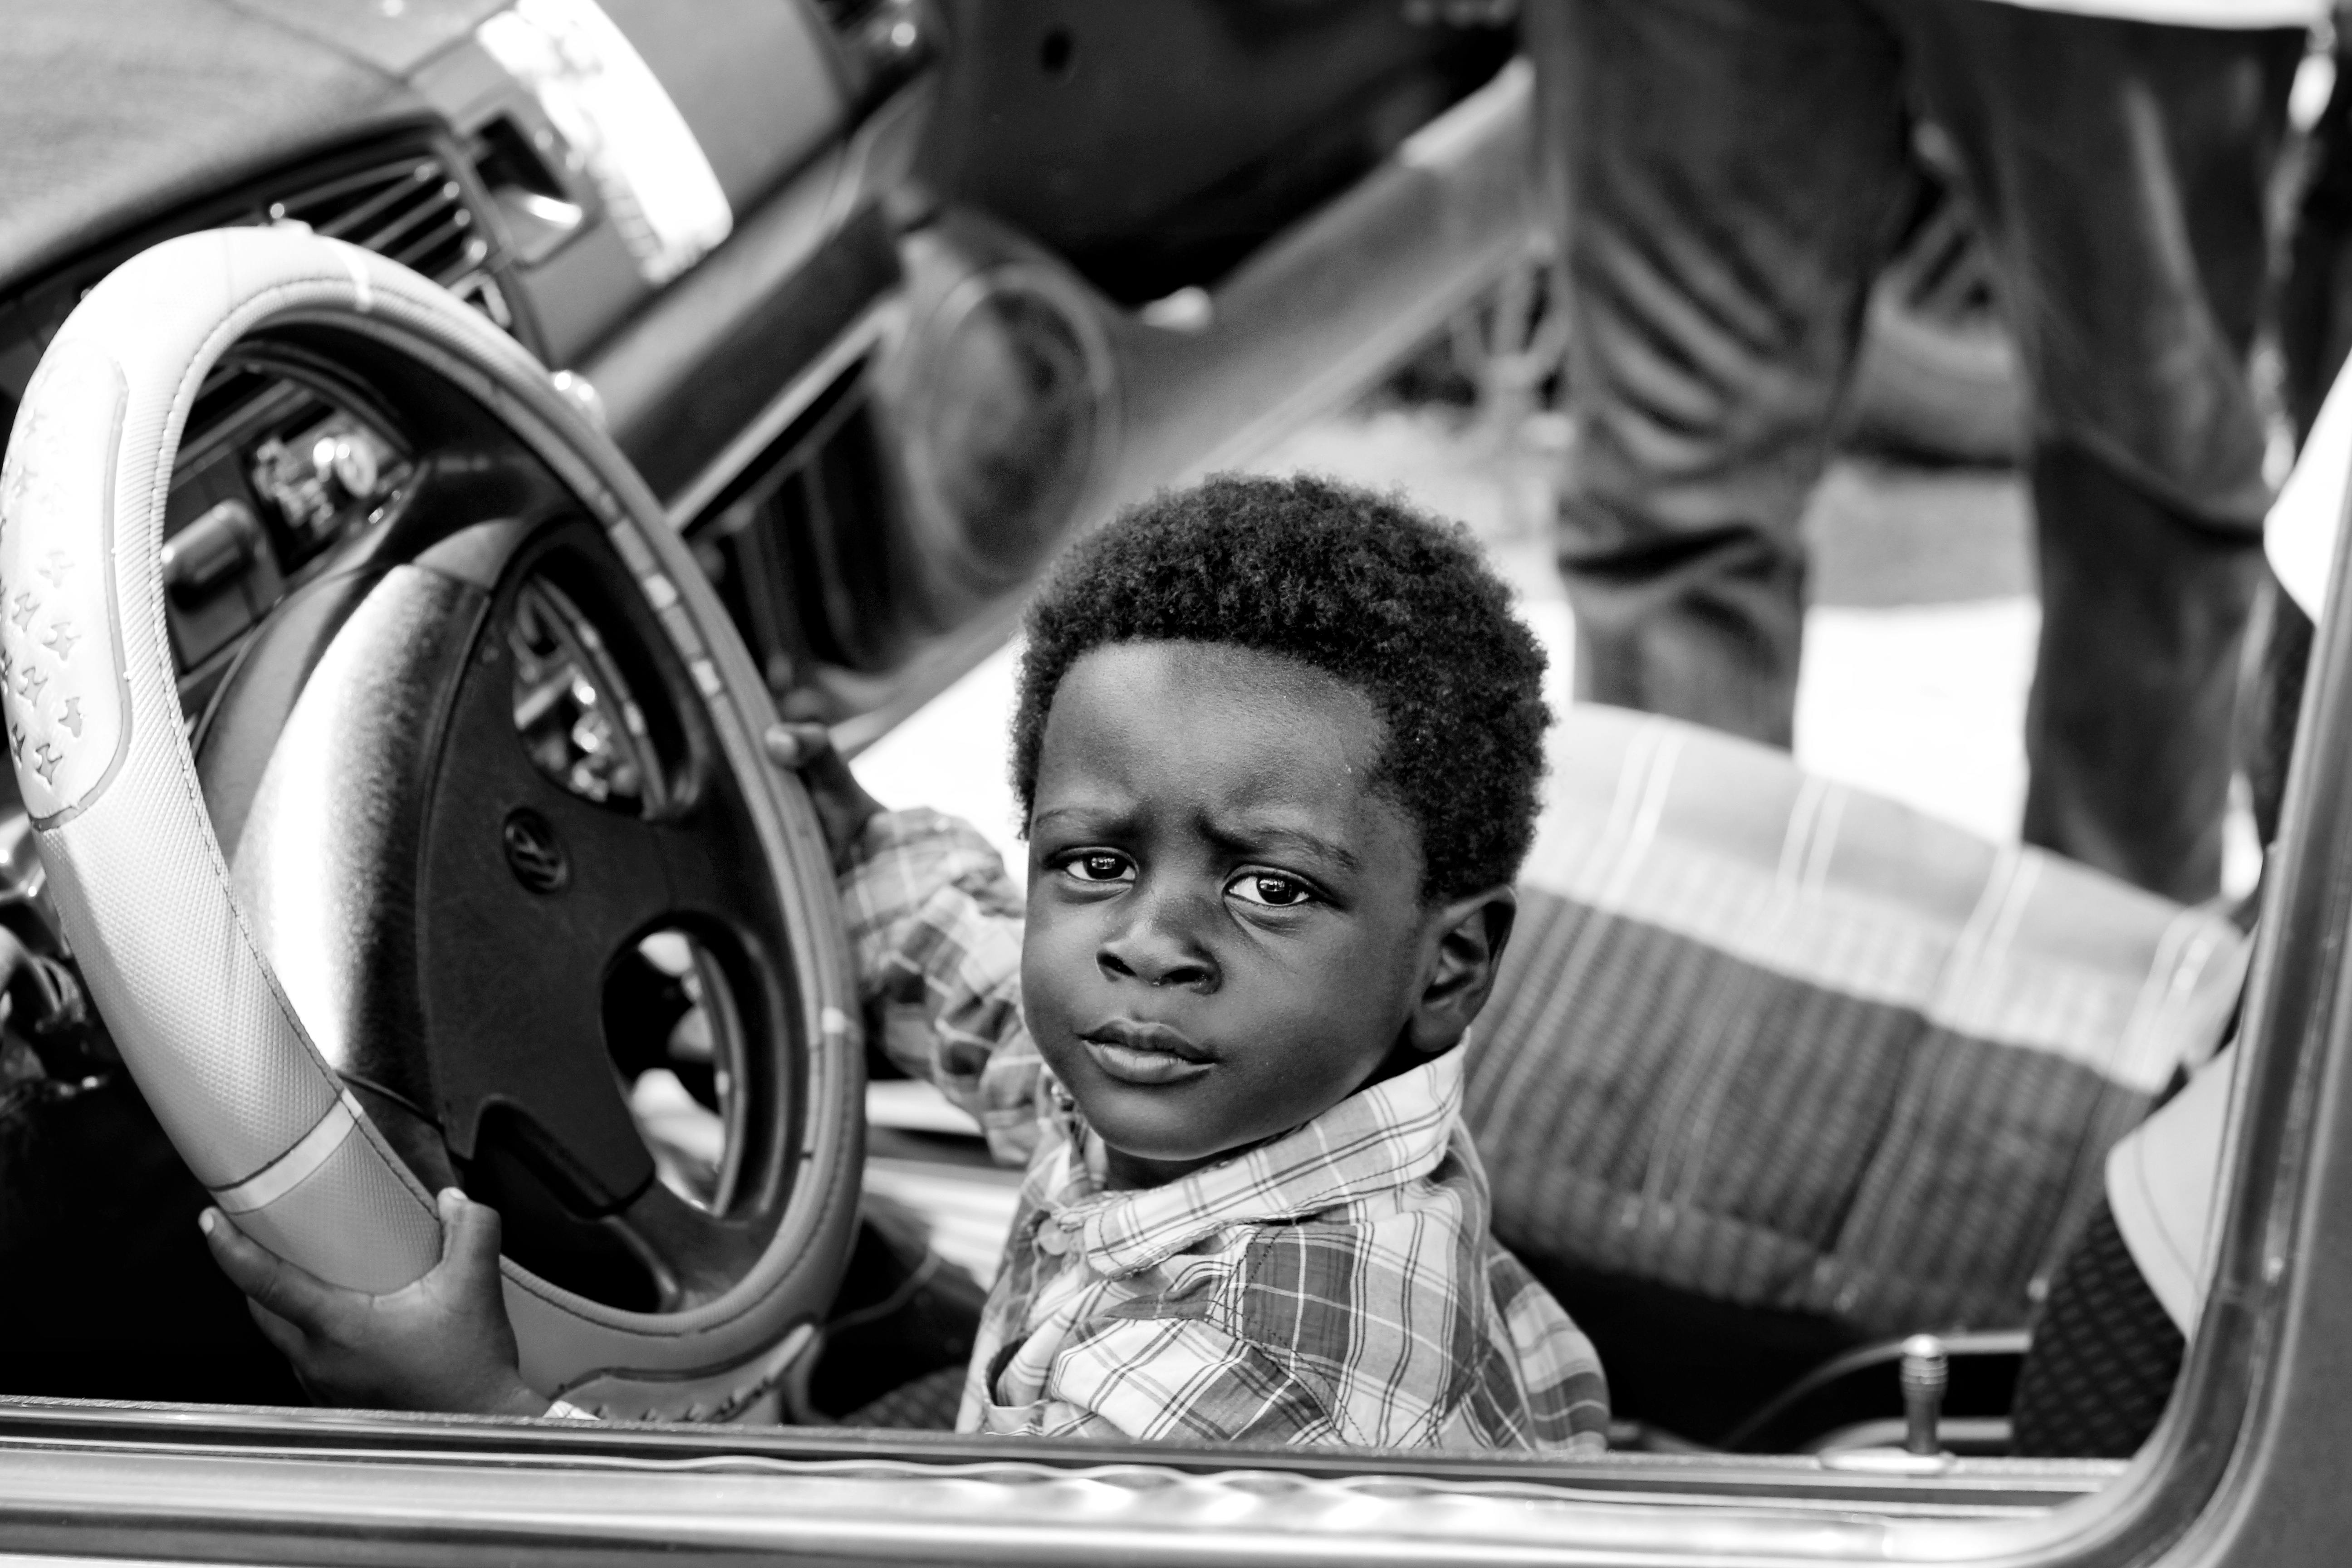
(1126, 1173)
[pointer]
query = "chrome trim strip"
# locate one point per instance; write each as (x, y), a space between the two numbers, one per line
(496, 1502)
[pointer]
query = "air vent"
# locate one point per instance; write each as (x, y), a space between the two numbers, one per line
(412, 209)
(802, 551)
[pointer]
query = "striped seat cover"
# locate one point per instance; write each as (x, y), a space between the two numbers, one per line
(1782, 1044)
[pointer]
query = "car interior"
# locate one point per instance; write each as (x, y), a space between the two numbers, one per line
(418, 597)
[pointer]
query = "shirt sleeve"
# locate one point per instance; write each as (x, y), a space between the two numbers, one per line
(934, 928)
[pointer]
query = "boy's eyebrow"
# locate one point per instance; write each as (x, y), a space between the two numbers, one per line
(1242, 839)
(1088, 817)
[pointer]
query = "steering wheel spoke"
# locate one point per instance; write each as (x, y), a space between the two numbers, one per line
(706, 881)
(531, 892)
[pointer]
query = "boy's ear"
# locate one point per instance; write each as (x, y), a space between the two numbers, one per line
(1465, 949)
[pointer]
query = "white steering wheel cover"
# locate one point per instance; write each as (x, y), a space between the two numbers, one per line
(92, 712)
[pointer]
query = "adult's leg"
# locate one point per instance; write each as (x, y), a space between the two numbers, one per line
(2315, 299)
(2120, 168)
(2315, 334)
(2129, 725)
(1726, 176)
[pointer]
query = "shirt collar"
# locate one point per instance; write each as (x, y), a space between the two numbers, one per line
(1375, 1140)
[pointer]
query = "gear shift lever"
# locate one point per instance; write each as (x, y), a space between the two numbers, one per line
(1924, 1372)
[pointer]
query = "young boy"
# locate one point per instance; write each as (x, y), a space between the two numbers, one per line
(1277, 749)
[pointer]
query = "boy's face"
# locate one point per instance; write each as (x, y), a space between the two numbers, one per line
(1225, 933)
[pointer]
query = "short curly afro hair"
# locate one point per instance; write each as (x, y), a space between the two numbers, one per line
(1362, 586)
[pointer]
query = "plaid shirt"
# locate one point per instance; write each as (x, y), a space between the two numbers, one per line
(1335, 1285)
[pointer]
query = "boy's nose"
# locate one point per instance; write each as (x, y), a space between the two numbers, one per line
(1123, 961)
(1154, 948)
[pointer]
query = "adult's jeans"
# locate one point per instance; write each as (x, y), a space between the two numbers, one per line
(1730, 175)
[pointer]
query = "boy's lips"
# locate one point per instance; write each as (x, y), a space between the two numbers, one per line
(1135, 1052)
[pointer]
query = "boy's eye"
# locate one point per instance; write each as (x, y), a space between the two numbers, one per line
(1098, 866)
(1271, 888)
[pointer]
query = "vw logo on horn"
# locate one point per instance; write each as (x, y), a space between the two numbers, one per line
(534, 854)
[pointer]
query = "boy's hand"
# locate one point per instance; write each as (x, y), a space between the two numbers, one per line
(843, 806)
(442, 1343)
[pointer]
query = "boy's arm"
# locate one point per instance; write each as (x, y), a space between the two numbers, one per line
(934, 928)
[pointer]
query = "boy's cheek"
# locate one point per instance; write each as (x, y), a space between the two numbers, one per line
(1049, 950)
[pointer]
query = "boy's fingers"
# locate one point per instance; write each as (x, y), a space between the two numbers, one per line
(287, 1290)
(796, 745)
(469, 1231)
(245, 1264)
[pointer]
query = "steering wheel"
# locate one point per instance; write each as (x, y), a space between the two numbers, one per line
(474, 835)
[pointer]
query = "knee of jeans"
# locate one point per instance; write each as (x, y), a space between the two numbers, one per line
(1632, 543)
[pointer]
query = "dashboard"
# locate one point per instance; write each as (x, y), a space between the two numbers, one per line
(778, 254)
(651, 204)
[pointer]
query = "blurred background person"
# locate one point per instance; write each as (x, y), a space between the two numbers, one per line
(1727, 176)
(2315, 335)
